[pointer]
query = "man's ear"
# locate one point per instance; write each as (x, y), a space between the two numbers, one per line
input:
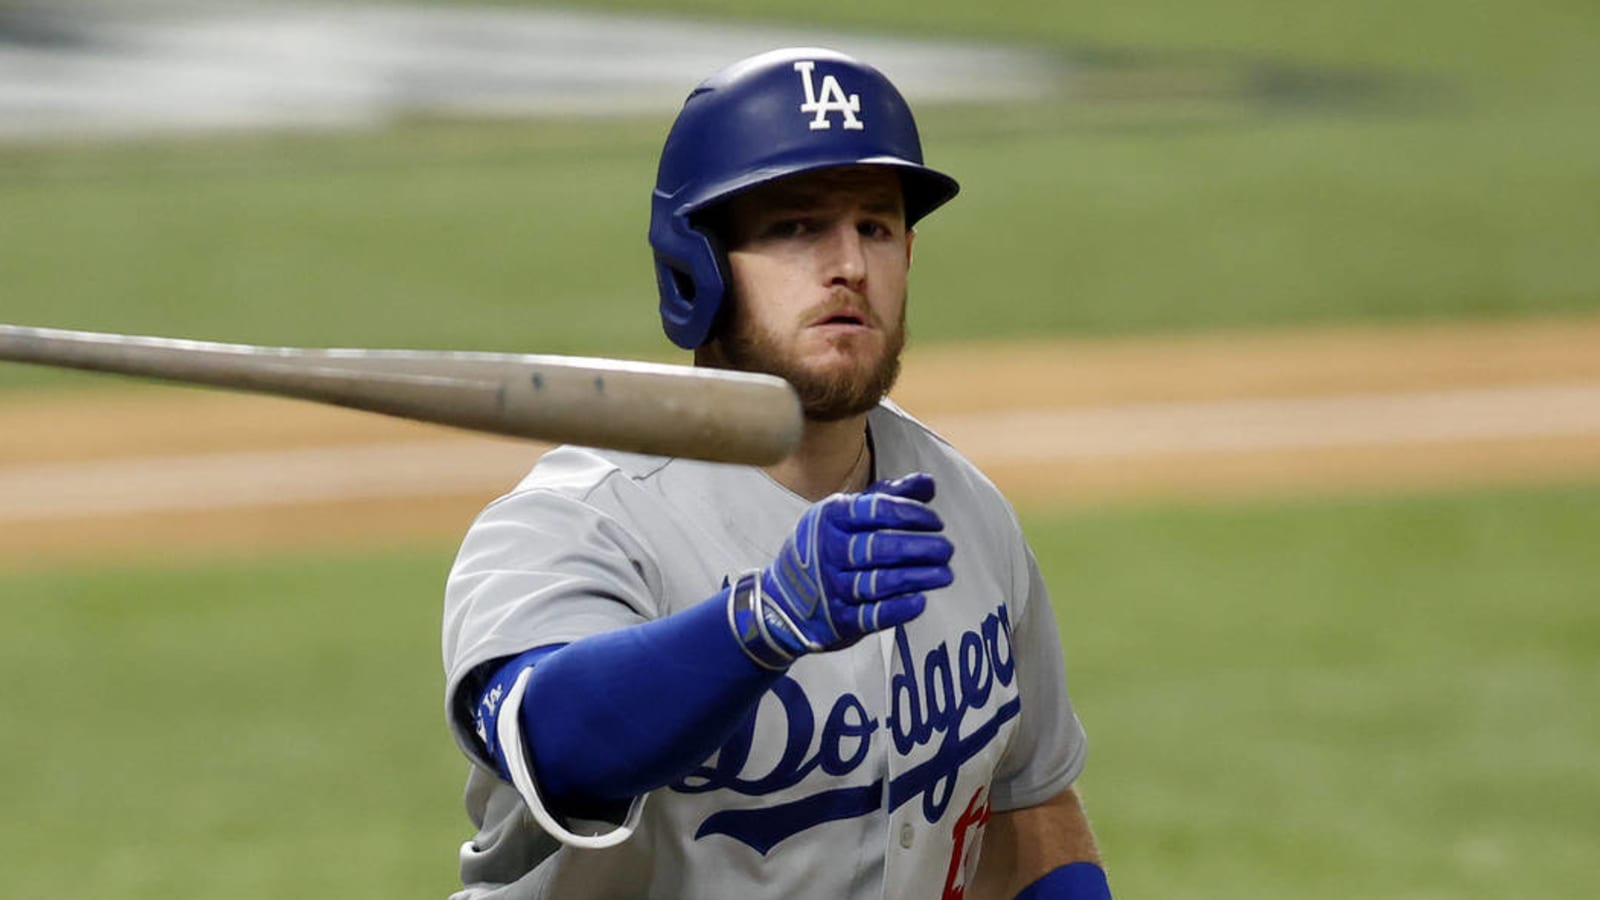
(911, 236)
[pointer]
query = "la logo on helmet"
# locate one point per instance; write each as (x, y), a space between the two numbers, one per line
(833, 100)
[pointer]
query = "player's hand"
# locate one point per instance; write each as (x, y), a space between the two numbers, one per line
(856, 563)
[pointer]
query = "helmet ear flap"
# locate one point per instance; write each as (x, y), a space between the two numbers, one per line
(691, 276)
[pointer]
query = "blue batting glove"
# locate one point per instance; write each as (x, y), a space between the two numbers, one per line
(856, 564)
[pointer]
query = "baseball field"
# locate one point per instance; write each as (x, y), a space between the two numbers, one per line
(1282, 329)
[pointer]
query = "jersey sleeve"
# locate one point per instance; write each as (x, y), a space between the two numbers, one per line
(1047, 751)
(538, 567)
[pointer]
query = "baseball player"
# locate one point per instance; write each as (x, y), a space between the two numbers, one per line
(838, 677)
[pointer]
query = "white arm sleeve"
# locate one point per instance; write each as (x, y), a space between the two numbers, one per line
(1048, 748)
(536, 568)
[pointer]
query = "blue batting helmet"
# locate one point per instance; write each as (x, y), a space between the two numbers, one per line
(760, 119)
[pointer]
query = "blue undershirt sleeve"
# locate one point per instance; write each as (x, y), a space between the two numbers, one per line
(618, 714)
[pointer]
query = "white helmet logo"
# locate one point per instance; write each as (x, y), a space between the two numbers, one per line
(833, 100)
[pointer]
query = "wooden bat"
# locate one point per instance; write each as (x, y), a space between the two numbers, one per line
(711, 414)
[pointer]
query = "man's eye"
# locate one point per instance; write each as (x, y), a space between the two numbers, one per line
(787, 228)
(874, 230)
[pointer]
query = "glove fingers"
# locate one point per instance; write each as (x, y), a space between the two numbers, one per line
(889, 612)
(888, 549)
(876, 584)
(873, 512)
(855, 564)
(916, 486)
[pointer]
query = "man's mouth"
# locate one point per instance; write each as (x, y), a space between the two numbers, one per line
(844, 318)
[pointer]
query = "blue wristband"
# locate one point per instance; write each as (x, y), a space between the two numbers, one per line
(1074, 881)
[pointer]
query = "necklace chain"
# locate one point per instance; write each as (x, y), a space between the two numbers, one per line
(852, 478)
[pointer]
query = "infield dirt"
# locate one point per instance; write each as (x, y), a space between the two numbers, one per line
(142, 472)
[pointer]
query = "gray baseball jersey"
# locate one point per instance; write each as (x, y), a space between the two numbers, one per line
(864, 773)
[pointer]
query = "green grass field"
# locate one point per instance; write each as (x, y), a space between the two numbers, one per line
(1472, 197)
(1392, 703)
(1374, 697)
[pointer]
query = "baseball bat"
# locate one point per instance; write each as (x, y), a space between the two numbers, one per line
(710, 414)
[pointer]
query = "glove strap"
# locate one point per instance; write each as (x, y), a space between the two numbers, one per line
(747, 617)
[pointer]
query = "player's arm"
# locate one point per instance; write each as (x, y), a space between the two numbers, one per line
(1043, 852)
(1038, 844)
(612, 716)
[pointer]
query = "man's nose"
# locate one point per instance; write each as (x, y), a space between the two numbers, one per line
(845, 257)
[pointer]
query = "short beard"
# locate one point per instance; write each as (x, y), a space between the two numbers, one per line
(823, 397)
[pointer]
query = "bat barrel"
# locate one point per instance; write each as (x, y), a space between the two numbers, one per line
(642, 407)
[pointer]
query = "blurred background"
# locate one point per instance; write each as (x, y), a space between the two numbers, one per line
(1280, 323)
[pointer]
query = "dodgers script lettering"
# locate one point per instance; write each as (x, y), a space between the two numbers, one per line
(930, 700)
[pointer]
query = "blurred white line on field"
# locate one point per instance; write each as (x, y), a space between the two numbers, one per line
(112, 70)
(199, 482)
(464, 465)
(1242, 426)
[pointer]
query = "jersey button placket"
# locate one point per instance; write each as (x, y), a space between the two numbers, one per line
(907, 835)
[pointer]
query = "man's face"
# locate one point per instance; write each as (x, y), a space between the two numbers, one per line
(818, 293)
